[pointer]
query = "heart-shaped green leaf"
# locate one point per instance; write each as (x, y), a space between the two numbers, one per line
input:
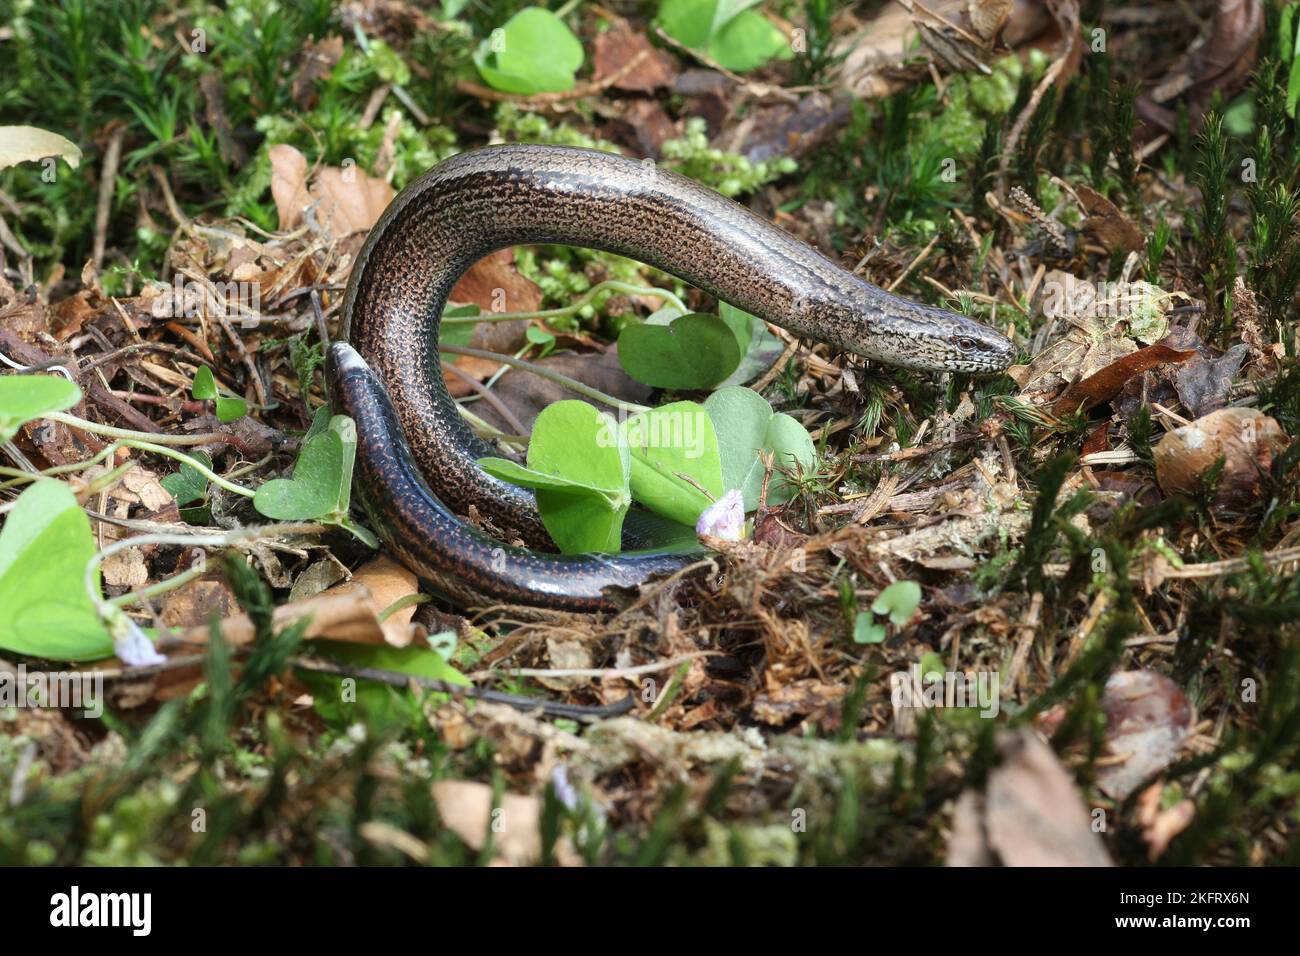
(900, 601)
(747, 426)
(670, 445)
(315, 487)
(747, 41)
(535, 52)
(45, 545)
(693, 352)
(728, 30)
(866, 630)
(578, 522)
(26, 397)
(580, 469)
(759, 348)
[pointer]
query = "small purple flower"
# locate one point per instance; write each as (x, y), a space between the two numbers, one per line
(725, 518)
(133, 647)
(564, 790)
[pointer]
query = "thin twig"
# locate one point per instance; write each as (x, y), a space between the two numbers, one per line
(107, 182)
(570, 383)
(488, 396)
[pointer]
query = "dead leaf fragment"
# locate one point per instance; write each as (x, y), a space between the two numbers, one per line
(466, 809)
(381, 583)
(800, 698)
(126, 569)
(350, 201)
(618, 45)
(1159, 827)
(1033, 814)
(315, 63)
(29, 144)
(1102, 386)
(964, 38)
(194, 603)
(1106, 223)
(1147, 720)
(346, 200)
(495, 285)
(1219, 66)
(566, 655)
(288, 184)
(1202, 384)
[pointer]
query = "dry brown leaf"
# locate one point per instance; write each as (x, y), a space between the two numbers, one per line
(336, 617)
(382, 582)
(349, 200)
(650, 124)
(70, 314)
(620, 43)
(1034, 814)
(147, 488)
(1219, 66)
(288, 184)
(1106, 223)
(1147, 720)
(1104, 385)
(194, 603)
(495, 285)
(317, 577)
(465, 807)
(346, 200)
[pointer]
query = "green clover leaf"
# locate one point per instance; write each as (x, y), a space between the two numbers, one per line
(45, 545)
(27, 397)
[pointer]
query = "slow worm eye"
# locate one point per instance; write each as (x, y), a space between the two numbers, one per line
(965, 344)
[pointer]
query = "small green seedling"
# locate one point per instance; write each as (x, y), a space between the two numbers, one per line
(189, 485)
(898, 602)
(228, 408)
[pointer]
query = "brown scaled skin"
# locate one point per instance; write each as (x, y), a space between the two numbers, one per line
(499, 196)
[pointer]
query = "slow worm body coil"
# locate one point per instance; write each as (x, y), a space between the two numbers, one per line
(416, 465)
